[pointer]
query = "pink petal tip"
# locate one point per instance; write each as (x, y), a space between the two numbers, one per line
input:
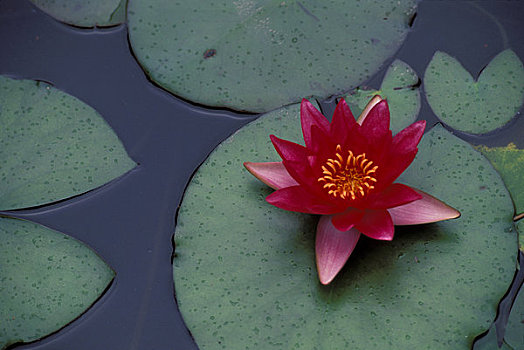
(423, 211)
(333, 248)
(273, 174)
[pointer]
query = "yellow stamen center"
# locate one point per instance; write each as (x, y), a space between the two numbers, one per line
(348, 177)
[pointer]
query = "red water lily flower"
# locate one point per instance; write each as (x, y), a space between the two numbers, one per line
(346, 172)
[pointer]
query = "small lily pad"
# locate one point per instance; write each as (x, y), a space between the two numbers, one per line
(47, 279)
(245, 271)
(509, 162)
(53, 146)
(475, 106)
(258, 56)
(400, 88)
(515, 328)
(85, 13)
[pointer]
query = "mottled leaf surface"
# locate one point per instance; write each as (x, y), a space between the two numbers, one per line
(400, 88)
(475, 106)
(85, 13)
(509, 162)
(261, 55)
(245, 274)
(47, 279)
(52, 146)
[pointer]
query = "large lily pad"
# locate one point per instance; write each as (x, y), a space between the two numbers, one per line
(245, 273)
(47, 279)
(509, 162)
(53, 146)
(260, 55)
(475, 106)
(85, 13)
(400, 87)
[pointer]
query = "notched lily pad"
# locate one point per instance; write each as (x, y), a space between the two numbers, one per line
(85, 13)
(400, 87)
(245, 271)
(47, 279)
(509, 162)
(52, 146)
(258, 56)
(475, 106)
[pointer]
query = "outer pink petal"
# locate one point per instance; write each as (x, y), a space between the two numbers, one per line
(377, 224)
(273, 174)
(376, 125)
(376, 99)
(289, 150)
(310, 116)
(393, 196)
(333, 248)
(295, 198)
(425, 210)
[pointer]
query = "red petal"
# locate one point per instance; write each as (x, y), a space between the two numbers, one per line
(273, 174)
(376, 99)
(394, 165)
(376, 224)
(376, 125)
(346, 220)
(342, 122)
(295, 198)
(393, 196)
(426, 210)
(408, 139)
(310, 116)
(333, 248)
(289, 150)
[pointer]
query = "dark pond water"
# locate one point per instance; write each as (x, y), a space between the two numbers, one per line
(130, 222)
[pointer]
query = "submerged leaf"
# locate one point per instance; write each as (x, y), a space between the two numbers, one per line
(47, 280)
(475, 106)
(85, 13)
(514, 335)
(53, 146)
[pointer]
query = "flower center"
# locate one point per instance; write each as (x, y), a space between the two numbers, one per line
(348, 177)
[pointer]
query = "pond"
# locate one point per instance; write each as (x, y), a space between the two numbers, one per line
(130, 221)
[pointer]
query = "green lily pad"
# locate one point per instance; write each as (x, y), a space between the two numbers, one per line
(400, 88)
(258, 56)
(85, 13)
(53, 146)
(475, 106)
(515, 328)
(509, 162)
(520, 229)
(47, 279)
(245, 271)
